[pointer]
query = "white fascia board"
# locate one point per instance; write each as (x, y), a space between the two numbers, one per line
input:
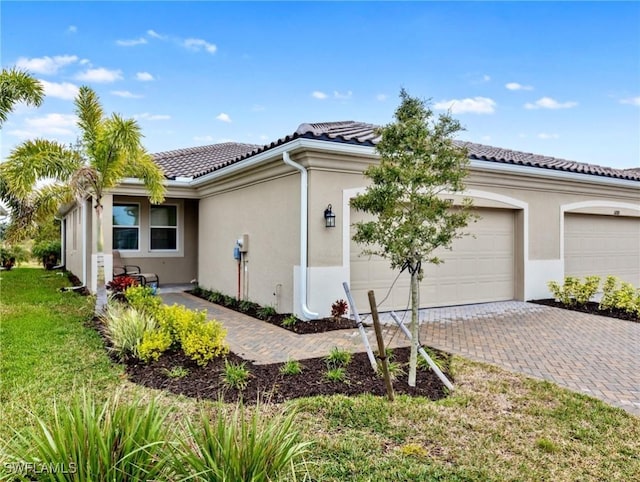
(132, 186)
(540, 172)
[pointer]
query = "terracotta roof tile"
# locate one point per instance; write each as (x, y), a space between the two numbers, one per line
(199, 161)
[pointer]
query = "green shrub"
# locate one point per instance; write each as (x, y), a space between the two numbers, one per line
(216, 297)
(245, 448)
(291, 367)
(247, 306)
(620, 295)
(204, 341)
(11, 255)
(178, 320)
(48, 252)
(265, 312)
(338, 358)
(290, 321)
(573, 291)
(336, 374)
(435, 356)
(117, 441)
(154, 343)
(125, 327)
(236, 375)
(142, 298)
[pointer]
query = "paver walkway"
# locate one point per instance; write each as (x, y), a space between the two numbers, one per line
(590, 354)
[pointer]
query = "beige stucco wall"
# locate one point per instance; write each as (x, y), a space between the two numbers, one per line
(180, 266)
(267, 209)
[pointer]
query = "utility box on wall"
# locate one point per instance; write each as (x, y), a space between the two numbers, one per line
(243, 242)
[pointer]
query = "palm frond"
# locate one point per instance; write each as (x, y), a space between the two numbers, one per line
(35, 160)
(90, 117)
(18, 86)
(150, 174)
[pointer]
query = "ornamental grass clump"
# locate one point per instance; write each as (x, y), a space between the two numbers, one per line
(125, 328)
(85, 441)
(243, 448)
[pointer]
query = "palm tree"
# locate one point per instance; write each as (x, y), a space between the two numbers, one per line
(109, 150)
(18, 86)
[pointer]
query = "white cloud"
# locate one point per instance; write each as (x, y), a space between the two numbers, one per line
(203, 139)
(126, 94)
(264, 137)
(152, 117)
(544, 135)
(46, 65)
(549, 103)
(223, 117)
(131, 42)
(486, 78)
(72, 29)
(58, 124)
(517, 86)
(316, 94)
(341, 96)
(381, 97)
(486, 138)
(258, 108)
(477, 105)
(85, 62)
(631, 101)
(199, 44)
(154, 34)
(100, 75)
(144, 76)
(64, 90)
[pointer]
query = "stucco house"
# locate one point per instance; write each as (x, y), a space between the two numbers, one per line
(541, 218)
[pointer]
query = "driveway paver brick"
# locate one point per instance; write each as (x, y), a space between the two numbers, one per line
(589, 354)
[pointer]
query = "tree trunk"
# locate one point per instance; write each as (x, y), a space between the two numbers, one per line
(415, 306)
(101, 289)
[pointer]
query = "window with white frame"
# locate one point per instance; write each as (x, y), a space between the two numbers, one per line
(163, 225)
(126, 226)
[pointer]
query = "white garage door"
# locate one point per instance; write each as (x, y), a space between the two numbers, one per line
(478, 269)
(602, 245)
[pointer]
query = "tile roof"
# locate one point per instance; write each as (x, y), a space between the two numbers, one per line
(197, 161)
(360, 133)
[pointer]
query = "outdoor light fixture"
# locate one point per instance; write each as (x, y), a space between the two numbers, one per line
(329, 218)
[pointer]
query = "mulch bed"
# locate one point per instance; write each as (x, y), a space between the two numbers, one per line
(268, 384)
(591, 308)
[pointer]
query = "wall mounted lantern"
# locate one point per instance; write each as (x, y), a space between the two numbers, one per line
(329, 218)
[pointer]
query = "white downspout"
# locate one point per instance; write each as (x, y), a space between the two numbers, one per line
(84, 243)
(304, 203)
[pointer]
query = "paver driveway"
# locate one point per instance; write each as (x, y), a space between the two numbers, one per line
(589, 354)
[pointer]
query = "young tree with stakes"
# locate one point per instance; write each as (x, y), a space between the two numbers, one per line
(420, 168)
(109, 150)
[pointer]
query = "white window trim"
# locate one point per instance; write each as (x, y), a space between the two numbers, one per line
(176, 227)
(138, 226)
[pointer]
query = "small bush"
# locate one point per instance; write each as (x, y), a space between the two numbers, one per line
(573, 291)
(339, 309)
(338, 358)
(216, 297)
(178, 320)
(142, 298)
(236, 375)
(177, 372)
(204, 341)
(608, 292)
(120, 284)
(435, 356)
(290, 321)
(265, 312)
(9, 256)
(620, 295)
(125, 328)
(291, 367)
(114, 442)
(337, 374)
(48, 252)
(247, 306)
(230, 301)
(154, 343)
(245, 448)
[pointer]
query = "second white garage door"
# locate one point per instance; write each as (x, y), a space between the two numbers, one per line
(478, 269)
(602, 245)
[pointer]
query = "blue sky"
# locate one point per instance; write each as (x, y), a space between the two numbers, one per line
(554, 78)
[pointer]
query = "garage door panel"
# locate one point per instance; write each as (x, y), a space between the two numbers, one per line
(602, 245)
(478, 268)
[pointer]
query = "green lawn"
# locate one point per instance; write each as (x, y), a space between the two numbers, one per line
(496, 426)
